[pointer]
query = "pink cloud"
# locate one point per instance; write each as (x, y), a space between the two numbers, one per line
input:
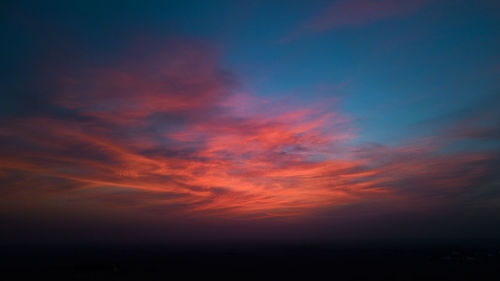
(356, 12)
(170, 135)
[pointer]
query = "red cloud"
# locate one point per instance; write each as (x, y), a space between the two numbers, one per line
(168, 132)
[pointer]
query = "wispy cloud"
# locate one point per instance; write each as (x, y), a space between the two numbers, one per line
(167, 132)
(345, 13)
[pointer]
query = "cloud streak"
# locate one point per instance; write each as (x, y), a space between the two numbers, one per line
(169, 133)
(345, 13)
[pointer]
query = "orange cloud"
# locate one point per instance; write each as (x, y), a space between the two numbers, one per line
(171, 132)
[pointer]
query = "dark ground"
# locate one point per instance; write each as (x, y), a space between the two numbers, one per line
(346, 260)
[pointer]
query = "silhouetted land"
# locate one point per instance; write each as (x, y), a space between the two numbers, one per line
(346, 260)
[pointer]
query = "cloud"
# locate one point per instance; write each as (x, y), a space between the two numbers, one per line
(166, 132)
(346, 13)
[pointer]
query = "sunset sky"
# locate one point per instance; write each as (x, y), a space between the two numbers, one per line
(173, 120)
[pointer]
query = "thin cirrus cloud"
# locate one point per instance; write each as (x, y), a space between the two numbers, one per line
(167, 132)
(345, 13)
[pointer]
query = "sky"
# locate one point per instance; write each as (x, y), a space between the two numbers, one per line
(200, 120)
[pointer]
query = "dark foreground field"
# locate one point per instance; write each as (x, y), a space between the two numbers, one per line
(414, 260)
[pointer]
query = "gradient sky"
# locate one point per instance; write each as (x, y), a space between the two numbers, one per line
(158, 120)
